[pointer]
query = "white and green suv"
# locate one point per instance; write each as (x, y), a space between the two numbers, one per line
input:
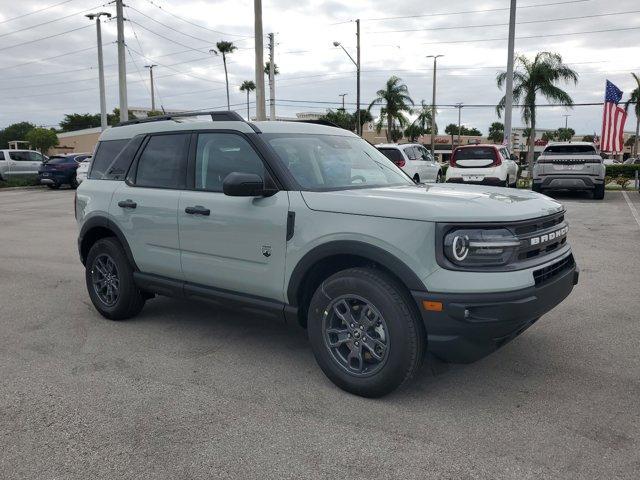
(311, 224)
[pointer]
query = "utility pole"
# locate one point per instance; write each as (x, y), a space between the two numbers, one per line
(122, 68)
(272, 79)
(508, 97)
(459, 105)
(359, 125)
(103, 103)
(153, 97)
(566, 121)
(342, 95)
(259, 64)
(433, 105)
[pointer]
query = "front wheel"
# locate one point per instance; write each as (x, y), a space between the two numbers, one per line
(365, 334)
(439, 177)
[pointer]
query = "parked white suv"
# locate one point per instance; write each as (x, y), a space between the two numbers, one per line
(414, 160)
(19, 163)
(482, 165)
(312, 225)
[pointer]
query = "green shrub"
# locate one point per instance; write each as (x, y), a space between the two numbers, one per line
(20, 182)
(627, 171)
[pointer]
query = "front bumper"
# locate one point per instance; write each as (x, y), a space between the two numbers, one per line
(470, 327)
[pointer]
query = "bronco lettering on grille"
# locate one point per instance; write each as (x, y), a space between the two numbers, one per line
(547, 237)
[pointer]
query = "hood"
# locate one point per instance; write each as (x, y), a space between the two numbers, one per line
(437, 203)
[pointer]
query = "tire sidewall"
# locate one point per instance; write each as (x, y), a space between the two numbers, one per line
(401, 331)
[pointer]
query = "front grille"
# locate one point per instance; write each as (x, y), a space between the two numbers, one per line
(539, 237)
(547, 273)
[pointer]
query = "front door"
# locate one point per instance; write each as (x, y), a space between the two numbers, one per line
(231, 243)
(146, 206)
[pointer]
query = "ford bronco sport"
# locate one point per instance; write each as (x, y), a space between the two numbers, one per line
(311, 224)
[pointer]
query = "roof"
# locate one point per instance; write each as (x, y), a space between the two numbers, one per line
(589, 144)
(187, 124)
(397, 145)
(491, 145)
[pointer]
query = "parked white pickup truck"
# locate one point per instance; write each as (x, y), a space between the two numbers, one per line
(569, 166)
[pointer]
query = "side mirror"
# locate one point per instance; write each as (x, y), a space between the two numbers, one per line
(238, 184)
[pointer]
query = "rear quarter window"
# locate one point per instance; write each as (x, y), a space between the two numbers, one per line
(106, 152)
(392, 154)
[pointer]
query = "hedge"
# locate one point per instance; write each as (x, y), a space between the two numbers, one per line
(627, 171)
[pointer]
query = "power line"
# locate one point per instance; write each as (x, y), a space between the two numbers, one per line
(474, 11)
(50, 58)
(247, 37)
(51, 21)
(35, 11)
(530, 36)
(168, 38)
(503, 24)
(45, 38)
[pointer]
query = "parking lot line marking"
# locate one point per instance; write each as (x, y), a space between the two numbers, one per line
(634, 212)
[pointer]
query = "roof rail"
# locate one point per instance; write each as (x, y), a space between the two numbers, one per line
(216, 116)
(317, 122)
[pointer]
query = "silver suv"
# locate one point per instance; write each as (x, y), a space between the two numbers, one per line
(569, 166)
(312, 225)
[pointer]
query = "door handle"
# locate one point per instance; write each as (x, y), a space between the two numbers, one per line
(127, 204)
(197, 210)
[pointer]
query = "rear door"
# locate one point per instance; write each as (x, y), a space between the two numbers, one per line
(145, 206)
(231, 243)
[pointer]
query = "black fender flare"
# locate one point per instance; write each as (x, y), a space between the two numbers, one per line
(102, 222)
(351, 247)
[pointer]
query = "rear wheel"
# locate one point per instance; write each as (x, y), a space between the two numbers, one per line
(53, 186)
(109, 279)
(536, 188)
(364, 332)
(598, 192)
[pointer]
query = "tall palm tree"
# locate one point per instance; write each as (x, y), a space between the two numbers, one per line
(635, 98)
(424, 120)
(533, 77)
(395, 101)
(248, 86)
(224, 48)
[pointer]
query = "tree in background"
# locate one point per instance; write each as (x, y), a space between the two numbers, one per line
(424, 120)
(365, 117)
(79, 121)
(114, 118)
(496, 132)
(549, 136)
(533, 77)
(42, 139)
(452, 129)
(267, 65)
(340, 118)
(225, 48)
(395, 101)
(631, 141)
(588, 138)
(154, 113)
(634, 98)
(16, 131)
(565, 134)
(248, 86)
(413, 131)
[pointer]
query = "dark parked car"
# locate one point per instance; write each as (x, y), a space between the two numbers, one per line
(61, 170)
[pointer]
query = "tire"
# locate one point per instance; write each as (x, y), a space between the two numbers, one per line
(416, 178)
(536, 188)
(74, 182)
(399, 330)
(53, 186)
(439, 177)
(598, 192)
(129, 300)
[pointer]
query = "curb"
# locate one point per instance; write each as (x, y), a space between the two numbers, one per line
(30, 187)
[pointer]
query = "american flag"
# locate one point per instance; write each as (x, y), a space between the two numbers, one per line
(613, 120)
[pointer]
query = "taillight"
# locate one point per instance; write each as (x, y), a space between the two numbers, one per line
(400, 163)
(452, 160)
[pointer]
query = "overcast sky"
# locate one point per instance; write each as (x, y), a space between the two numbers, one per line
(41, 89)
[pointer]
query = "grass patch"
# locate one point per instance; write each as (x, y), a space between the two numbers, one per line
(20, 182)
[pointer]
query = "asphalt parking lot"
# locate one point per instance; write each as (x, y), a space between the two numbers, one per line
(188, 391)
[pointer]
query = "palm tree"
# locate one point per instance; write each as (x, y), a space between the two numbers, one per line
(425, 118)
(248, 86)
(225, 48)
(533, 77)
(267, 65)
(635, 98)
(395, 100)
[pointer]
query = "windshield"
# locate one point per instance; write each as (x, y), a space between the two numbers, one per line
(334, 162)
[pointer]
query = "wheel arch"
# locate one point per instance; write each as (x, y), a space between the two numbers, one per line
(329, 258)
(99, 227)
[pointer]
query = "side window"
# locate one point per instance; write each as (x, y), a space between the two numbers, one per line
(219, 154)
(35, 157)
(163, 162)
(410, 152)
(19, 156)
(426, 156)
(105, 153)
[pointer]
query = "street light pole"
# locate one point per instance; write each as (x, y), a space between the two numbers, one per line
(103, 103)
(357, 64)
(433, 105)
(459, 105)
(566, 121)
(508, 97)
(153, 97)
(122, 65)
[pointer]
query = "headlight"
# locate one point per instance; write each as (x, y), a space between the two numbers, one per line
(475, 247)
